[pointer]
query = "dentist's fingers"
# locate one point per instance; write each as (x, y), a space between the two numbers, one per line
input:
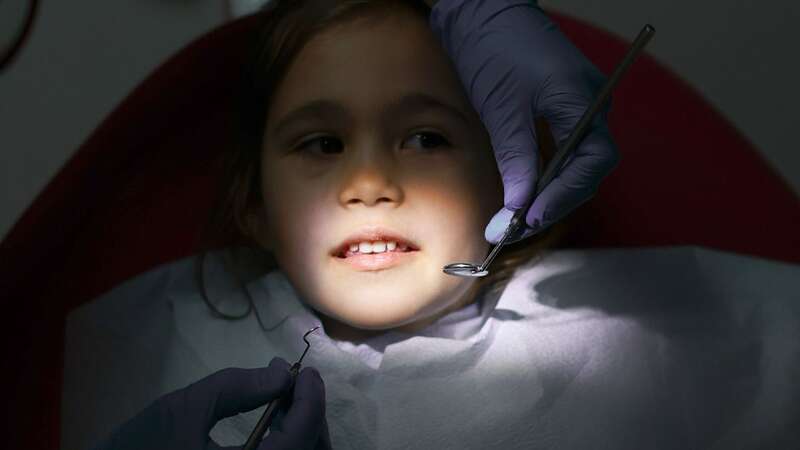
(240, 390)
(578, 180)
(303, 424)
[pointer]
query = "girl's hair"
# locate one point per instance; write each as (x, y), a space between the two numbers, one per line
(285, 26)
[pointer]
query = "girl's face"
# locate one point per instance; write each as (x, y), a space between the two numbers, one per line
(371, 128)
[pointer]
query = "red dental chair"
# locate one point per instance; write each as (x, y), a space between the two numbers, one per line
(137, 192)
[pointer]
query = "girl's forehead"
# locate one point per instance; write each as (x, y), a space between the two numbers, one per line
(368, 64)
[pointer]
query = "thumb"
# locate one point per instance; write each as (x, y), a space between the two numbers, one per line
(241, 390)
(518, 160)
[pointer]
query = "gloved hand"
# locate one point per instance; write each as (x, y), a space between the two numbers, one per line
(516, 66)
(182, 419)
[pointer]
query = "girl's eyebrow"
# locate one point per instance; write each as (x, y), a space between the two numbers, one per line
(408, 104)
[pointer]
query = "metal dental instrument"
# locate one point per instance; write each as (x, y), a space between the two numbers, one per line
(518, 219)
(274, 405)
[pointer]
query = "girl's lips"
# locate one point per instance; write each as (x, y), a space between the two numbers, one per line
(377, 261)
(373, 233)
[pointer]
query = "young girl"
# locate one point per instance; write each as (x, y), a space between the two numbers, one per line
(361, 171)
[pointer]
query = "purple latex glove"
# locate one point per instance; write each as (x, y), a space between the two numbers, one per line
(181, 420)
(516, 65)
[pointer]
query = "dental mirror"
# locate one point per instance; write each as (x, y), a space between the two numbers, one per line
(464, 269)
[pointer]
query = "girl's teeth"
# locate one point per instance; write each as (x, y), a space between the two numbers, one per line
(377, 247)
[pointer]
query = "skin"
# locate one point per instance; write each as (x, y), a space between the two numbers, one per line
(428, 174)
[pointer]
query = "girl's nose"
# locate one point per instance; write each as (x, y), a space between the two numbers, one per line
(370, 181)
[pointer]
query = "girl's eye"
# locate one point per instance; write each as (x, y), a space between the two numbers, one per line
(329, 145)
(430, 140)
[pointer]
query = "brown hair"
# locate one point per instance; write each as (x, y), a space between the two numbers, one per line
(285, 26)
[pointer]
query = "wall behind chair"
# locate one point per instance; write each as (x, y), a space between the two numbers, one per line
(80, 61)
(83, 57)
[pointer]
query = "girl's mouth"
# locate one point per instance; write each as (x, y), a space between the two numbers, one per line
(373, 256)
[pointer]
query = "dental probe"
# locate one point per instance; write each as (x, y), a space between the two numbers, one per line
(273, 406)
(518, 219)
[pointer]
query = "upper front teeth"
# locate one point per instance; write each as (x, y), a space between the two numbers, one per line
(373, 247)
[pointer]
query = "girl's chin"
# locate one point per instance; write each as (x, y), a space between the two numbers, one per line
(375, 310)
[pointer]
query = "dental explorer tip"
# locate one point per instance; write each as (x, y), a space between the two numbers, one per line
(308, 344)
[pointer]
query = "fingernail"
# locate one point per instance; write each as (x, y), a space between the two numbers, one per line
(498, 225)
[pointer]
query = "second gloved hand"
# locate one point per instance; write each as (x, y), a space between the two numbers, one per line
(516, 65)
(182, 420)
